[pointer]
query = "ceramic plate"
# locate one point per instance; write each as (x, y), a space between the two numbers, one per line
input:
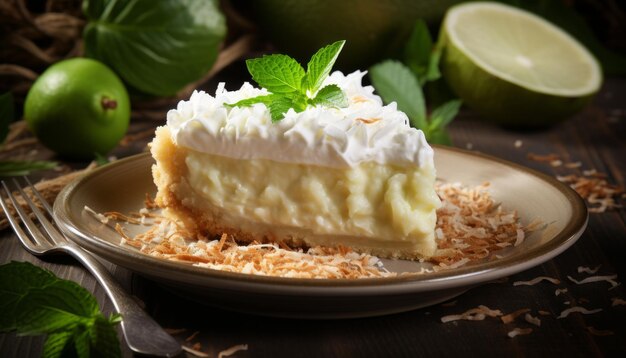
(122, 186)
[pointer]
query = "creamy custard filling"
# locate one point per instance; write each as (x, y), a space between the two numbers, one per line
(370, 200)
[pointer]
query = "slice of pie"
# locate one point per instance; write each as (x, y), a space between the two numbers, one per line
(357, 176)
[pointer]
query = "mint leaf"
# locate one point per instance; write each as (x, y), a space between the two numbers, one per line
(420, 56)
(18, 167)
(444, 114)
(279, 106)
(103, 338)
(82, 342)
(7, 114)
(34, 301)
(16, 279)
(432, 71)
(276, 73)
(439, 136)
(61, 304)
(58, 344)
(157, 47)
(395, 82)
(285, 78)
(331, 96)
(417, 50)
(320, 65)
(266, 99)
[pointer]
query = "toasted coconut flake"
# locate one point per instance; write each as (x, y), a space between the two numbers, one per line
(508, 318)
(616, 301)
(519, 332)
(519, 238)
(608, 278)
(536, 280)
(599, 332)
(470, 227)
(543, 158)
(232, 350)
(593, 187)
(585, 269)
(102, 218)
(556, 163)
(578, 309)
(544, 313)
(560, 291)
(475, 314)
(518, 143)
(149, 203)
(573, 165)
(532, 320)
(195, 352)
(192, 336)
(368, 120)
(121, 217)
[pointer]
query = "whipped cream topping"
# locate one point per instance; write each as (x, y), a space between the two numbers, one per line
(333, 137)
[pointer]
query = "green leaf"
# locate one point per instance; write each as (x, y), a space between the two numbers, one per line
(101, 159)
(439, 136)
(104, 342)
(276, 103)
(82, 343)
(16, 280)
(277, 73)
(265, 99)
(58, 345)
(444, 114)
(395, 82)
(285, 78)
(321, 64)
(331, 96)
(417, 50)
(60, 305)
(432, 71)
(157, 47)
(18, 168)
(279, 106)
(7, 114)
(37, 302)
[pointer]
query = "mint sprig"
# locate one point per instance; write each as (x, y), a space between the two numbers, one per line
(10, 168)
(290, 86)
(395, 82)
(420, 55)
(403, 83)
(34, 301)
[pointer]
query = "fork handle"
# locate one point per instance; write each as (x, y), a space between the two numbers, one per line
(143, 335)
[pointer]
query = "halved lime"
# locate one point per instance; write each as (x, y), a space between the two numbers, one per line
(515, 67)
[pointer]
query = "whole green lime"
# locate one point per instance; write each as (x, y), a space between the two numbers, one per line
(514, 67)
(77, 108)
(373, 29)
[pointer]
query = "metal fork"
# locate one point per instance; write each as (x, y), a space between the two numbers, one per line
(143, 335)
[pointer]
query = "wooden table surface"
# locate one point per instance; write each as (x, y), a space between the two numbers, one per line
(595, 137)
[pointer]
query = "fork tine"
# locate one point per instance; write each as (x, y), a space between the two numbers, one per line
(52, 232)
(39, 196)
(15, 224)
